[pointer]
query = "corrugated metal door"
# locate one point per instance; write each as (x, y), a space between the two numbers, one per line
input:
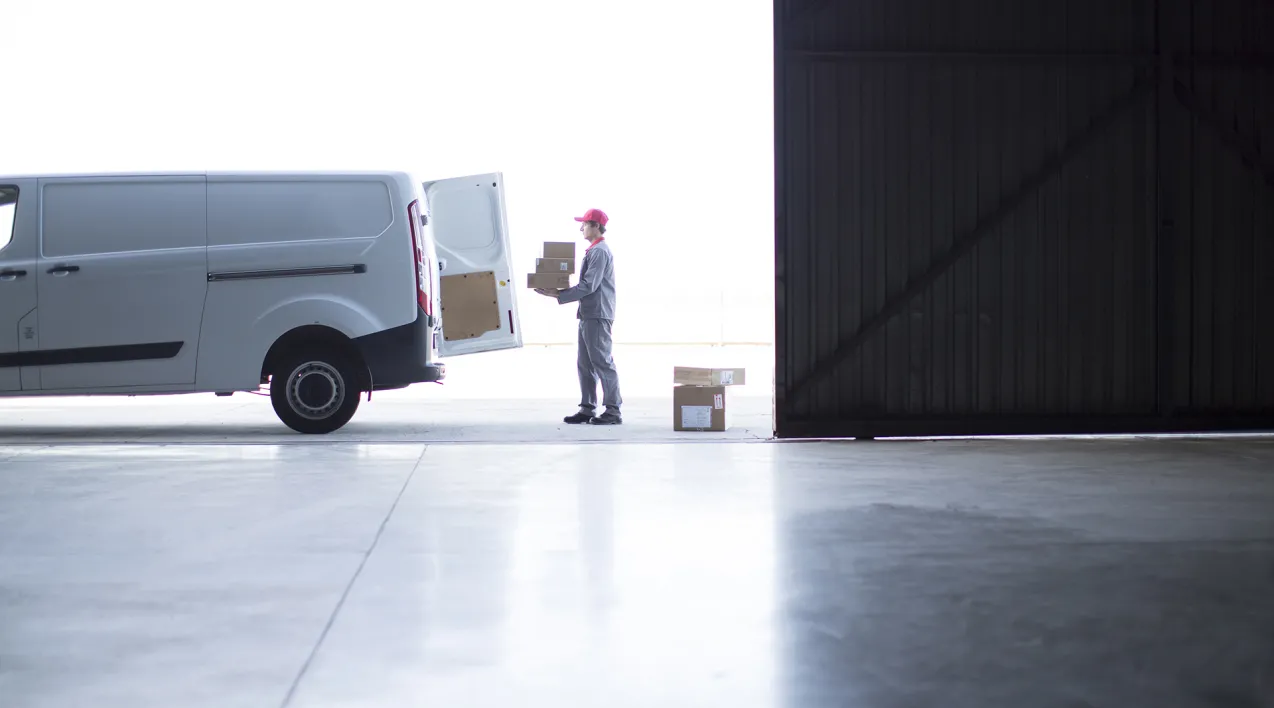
(1023, 217)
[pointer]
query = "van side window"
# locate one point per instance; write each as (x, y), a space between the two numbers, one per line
(8, 210)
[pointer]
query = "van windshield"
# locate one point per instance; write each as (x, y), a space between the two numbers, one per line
(8, 209)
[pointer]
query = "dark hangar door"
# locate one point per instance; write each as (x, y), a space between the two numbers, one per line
(1023, 217)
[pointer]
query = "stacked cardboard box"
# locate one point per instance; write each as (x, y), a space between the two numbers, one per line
(554, 269)
(699, 397)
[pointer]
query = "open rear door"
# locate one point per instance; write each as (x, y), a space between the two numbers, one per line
(479, 310)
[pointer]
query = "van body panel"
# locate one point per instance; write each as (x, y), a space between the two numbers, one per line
(402, 356)
(292, 250)
(18, 266)
(116, 391)
(29, 343)
(121, 280)
(237, 341)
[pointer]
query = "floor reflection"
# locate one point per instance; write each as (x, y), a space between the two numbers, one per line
(573, 577)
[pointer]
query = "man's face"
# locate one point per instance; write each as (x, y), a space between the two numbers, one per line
(590, 230)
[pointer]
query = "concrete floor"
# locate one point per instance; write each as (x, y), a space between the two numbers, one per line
(390, 417)
(181, 570)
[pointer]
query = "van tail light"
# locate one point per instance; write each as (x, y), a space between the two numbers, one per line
(424, 272)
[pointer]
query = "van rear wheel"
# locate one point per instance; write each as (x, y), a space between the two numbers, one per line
(314, 392)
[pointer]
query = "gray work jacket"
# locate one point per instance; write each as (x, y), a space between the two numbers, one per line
(595, 292)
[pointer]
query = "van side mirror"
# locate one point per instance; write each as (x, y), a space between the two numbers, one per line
(442, 264)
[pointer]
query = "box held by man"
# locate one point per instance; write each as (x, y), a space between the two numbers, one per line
(548, 281)
(555, 265)
(563, 249)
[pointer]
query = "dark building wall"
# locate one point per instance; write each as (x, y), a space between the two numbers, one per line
(1023, 216)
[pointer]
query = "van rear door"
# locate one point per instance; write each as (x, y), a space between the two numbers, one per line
(476, 294)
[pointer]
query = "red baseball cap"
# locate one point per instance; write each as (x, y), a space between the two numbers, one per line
(594, 215)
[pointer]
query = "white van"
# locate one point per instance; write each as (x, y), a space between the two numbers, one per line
(324, 286)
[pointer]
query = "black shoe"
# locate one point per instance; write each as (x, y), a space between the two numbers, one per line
(607, 418)
(577, 418)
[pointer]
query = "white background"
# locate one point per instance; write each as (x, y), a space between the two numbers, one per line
(658, 112)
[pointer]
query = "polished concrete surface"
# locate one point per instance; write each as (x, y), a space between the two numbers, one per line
(1128, 572)
(390, 417)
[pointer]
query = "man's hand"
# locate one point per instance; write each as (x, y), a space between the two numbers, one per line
(547, 292)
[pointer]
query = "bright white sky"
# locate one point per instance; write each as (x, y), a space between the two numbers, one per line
(657, 111)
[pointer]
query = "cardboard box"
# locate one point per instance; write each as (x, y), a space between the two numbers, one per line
(555, 265)
(549, 281)
(559, 249)
(696, 376)
(699, 408)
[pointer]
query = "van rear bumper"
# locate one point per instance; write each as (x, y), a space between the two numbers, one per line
(399, 357)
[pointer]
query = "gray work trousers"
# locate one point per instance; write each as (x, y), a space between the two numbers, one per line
(595, 362)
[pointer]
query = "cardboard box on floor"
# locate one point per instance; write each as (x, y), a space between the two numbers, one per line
(554, 268)
(699, 408)
(699, 398)
(696, 376)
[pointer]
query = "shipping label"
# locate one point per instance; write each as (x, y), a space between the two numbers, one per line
(696, 416)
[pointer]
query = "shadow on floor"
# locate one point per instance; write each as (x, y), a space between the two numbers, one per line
(960, 608)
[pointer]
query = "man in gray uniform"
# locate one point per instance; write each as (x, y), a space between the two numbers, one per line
(595, 294)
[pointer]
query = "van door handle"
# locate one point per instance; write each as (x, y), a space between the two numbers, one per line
(6, 275)
(64, 270)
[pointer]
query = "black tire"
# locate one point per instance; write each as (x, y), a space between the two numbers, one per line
(314, 391)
